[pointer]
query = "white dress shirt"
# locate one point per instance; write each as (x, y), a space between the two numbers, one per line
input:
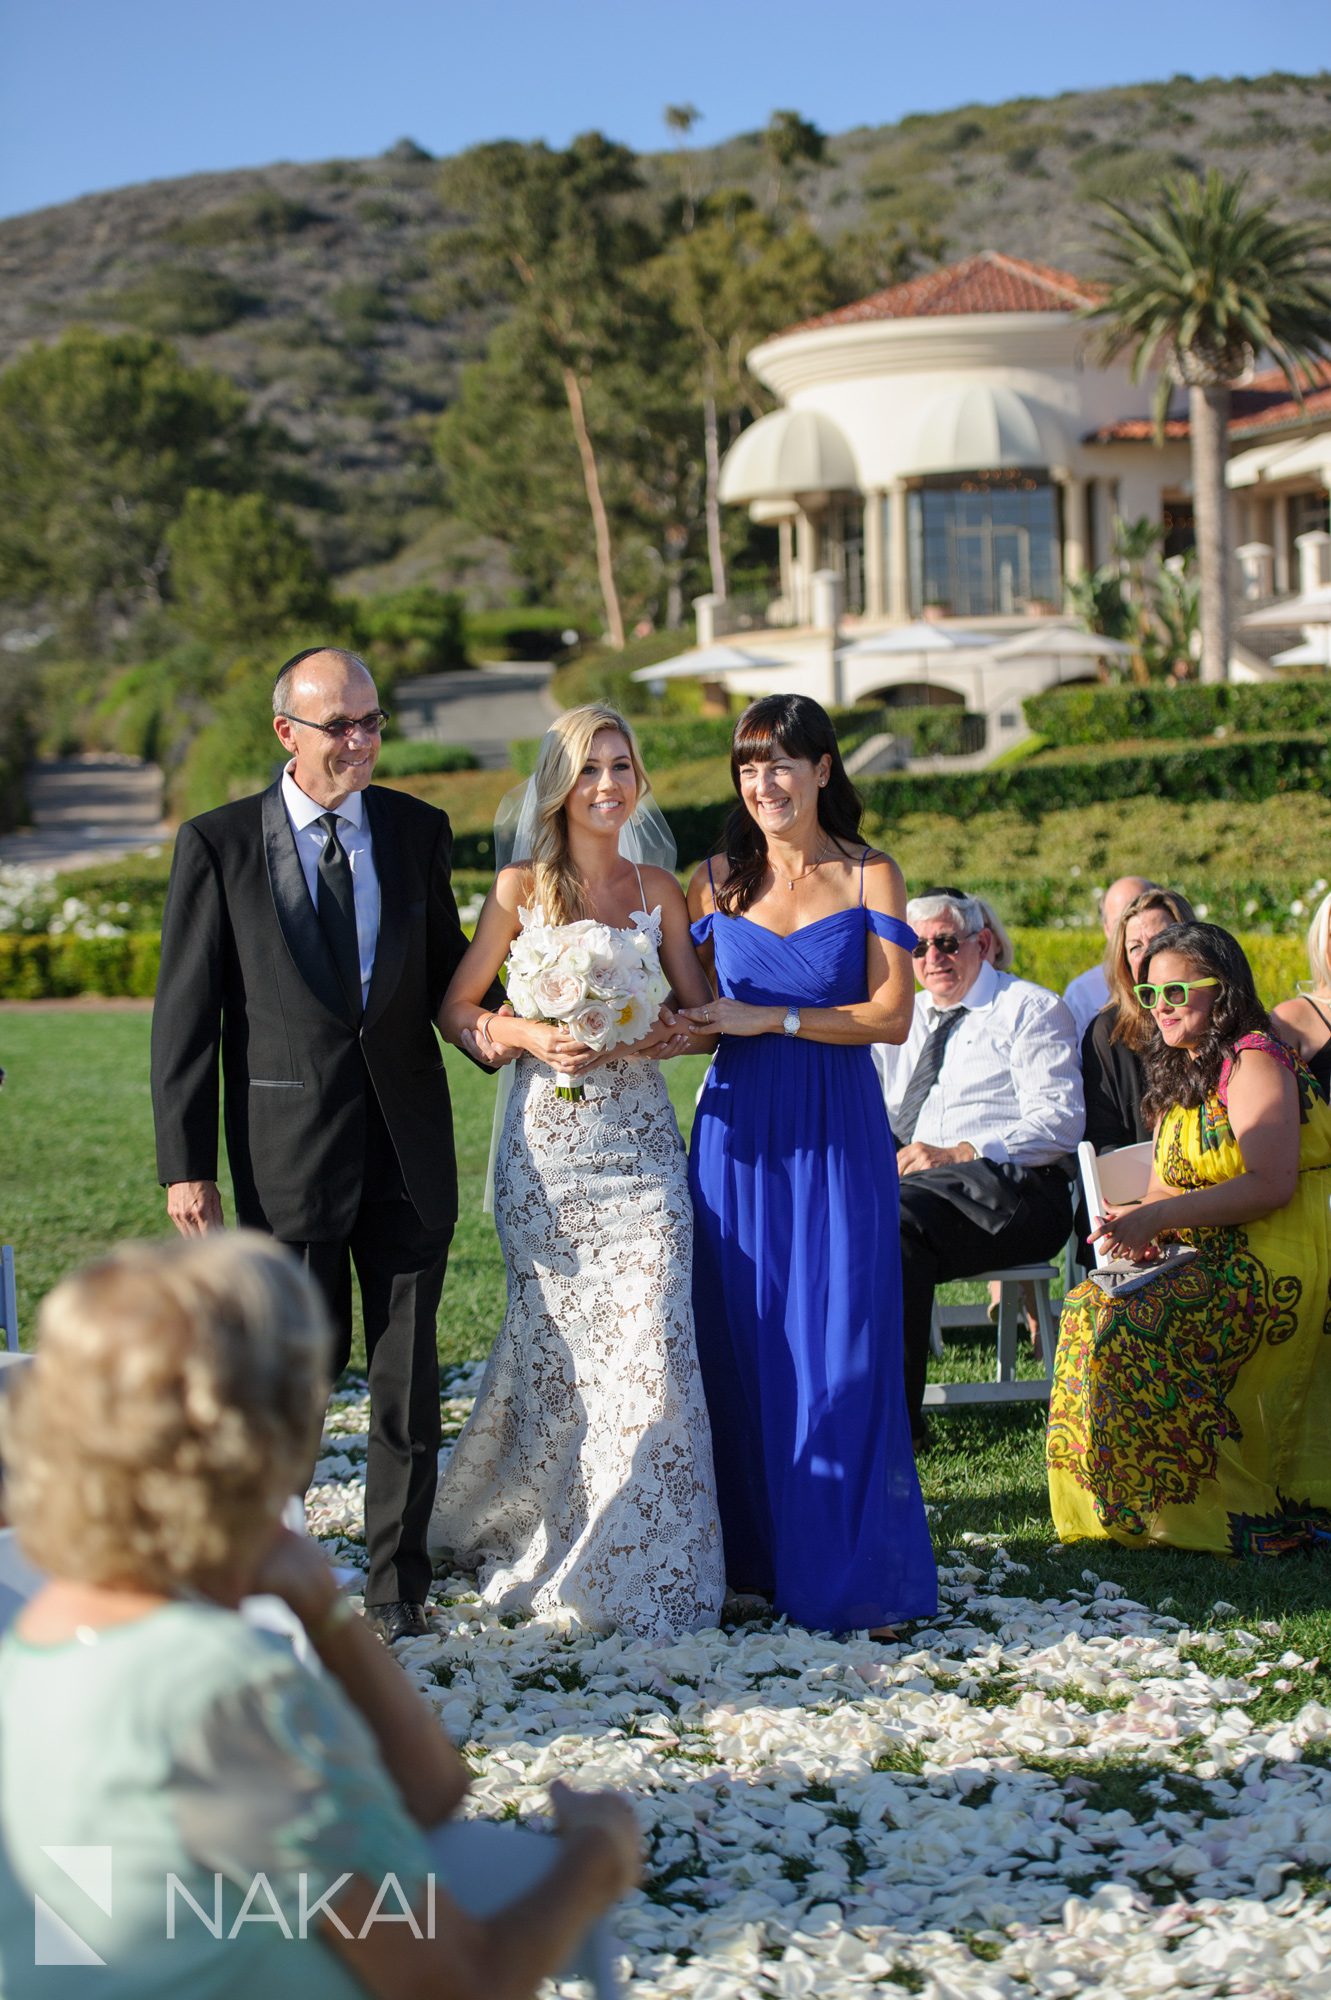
(354, 835)
(1010, 1082)
(1085, 996)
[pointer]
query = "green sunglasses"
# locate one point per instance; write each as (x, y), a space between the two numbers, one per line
(1174, 992)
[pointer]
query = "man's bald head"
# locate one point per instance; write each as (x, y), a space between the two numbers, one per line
(1117, 897)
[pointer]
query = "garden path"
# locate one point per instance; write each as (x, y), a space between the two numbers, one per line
(86, 810)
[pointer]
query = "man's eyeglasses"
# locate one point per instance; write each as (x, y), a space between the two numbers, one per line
(1174, 992)
(946, 944)
(343, 725)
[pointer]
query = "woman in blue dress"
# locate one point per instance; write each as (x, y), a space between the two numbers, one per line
(797, 1262)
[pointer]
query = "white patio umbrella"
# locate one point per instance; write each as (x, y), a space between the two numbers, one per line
(707, 663)
(1061, 642)
(920, 636)
(1310, 607)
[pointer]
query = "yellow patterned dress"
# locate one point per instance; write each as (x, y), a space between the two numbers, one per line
(1196, 1412)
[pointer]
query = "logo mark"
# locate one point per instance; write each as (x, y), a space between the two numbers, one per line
(55, 1941)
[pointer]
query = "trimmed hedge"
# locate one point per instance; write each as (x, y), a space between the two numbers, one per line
(59, 968)
(529, 633)
(1208, 773)
(409, 757)
(1082, 715)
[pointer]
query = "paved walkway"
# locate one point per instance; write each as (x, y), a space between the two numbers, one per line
(98, 807)
(484, 708)
(86, 810)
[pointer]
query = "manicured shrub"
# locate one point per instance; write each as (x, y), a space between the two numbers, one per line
(1251, 768)
(530, 632)
(1085, 715)
(408, 758)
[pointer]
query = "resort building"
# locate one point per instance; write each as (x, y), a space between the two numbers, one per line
(950, 450)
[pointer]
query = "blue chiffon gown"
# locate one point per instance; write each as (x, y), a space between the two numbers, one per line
(797, 1293)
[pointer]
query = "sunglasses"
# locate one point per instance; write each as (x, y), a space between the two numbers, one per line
(1174, 993)
(342, 725)
(946, 944)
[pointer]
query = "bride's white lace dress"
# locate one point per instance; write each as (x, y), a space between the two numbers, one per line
(582, 1482)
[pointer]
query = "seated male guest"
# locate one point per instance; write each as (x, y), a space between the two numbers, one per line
(985, 1100)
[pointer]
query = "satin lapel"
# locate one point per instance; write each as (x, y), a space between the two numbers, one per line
(390, 948)
(295, 912)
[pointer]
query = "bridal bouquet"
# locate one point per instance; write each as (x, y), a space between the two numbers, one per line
(605, 986)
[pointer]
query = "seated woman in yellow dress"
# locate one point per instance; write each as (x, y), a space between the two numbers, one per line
(1194, 1411)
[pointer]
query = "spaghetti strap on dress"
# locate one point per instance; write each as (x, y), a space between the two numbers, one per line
(797, 1292)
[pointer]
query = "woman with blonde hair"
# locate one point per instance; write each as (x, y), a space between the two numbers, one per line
(264, 1828)
(1304, 1023)
(1114, 1047)
(582, 1483)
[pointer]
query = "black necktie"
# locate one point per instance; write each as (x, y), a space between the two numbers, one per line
(925, 1075)
(336, 906)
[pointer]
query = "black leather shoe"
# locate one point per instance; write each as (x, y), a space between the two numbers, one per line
(401, 1620)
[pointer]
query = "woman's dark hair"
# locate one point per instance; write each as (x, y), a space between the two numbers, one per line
(1175, 1076)
(790, 725)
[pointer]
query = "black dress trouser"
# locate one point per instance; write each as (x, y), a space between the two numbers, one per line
(960, 1220)
(399, 1266)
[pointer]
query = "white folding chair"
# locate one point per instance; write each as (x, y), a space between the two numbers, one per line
(1113, 1180)
(8, 1298)
(1005, 1386)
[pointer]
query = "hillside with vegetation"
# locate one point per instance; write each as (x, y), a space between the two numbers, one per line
(345, 299)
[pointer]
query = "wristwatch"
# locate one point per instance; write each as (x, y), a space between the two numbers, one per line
(791, 1024)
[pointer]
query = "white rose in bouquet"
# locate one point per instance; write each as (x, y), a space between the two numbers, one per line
(558, 993)
(593, 1025)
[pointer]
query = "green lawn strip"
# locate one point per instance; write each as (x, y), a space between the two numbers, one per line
(77, 1174)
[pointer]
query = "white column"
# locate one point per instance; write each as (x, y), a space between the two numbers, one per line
(875, 596)
(1280, 543)
(1075, 528)
(1314, 559)
(898, 564)
(786, 558)
(806, 562)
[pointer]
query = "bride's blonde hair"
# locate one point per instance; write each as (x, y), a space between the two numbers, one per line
(558, 887)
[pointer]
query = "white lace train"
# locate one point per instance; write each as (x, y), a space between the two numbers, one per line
(582, 1482)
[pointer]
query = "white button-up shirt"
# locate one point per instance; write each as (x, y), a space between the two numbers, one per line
(1010, 1082)
(1084, 996)
(354, 834)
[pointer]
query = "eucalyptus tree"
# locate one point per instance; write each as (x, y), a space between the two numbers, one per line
(736, 277)
(559, 234)
(680, 120)
(1198, 284)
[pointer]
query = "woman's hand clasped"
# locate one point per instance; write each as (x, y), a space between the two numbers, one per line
(1131, 1232)
(730, 1017)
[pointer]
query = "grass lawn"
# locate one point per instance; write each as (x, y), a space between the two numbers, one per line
(77, 1173)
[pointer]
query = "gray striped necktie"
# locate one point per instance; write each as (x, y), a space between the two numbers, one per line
(925, 1075)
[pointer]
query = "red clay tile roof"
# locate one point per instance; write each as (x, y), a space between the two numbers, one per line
(1264, 404)
(1136, 430)
(987, 283)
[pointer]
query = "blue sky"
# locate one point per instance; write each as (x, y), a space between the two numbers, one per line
(100, 93)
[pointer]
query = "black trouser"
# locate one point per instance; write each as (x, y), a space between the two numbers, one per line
(400, 1267)
(959, 1220)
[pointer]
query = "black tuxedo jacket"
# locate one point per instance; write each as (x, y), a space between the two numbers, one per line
(248, 981)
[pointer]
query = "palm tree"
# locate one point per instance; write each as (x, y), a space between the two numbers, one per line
(1198, 285)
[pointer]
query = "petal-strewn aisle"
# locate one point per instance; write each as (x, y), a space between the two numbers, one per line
(1030, 1796)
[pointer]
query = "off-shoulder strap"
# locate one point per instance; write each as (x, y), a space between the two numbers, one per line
(892, 929)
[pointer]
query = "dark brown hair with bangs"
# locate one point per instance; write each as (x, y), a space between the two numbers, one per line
(789, 725)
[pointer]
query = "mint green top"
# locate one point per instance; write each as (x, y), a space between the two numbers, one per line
(185, 1755)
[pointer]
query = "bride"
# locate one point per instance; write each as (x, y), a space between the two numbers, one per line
(582, 1482)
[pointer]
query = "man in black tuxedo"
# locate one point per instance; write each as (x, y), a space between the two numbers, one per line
(308, 936)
